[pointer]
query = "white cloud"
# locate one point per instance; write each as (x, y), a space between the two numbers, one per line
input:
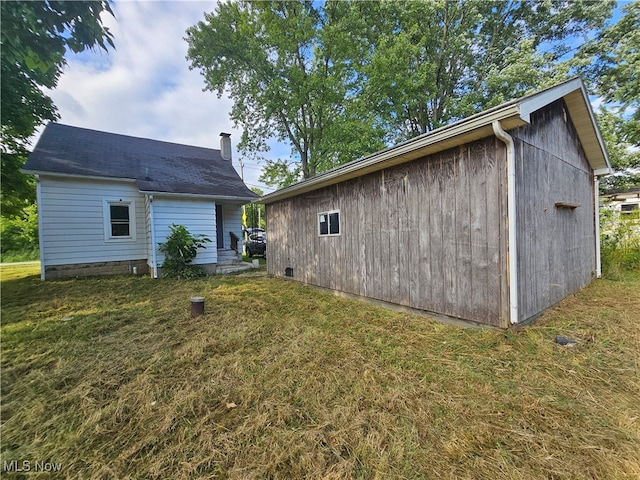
(144, 87)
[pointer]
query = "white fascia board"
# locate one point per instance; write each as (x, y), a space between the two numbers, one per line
(535, 102)
(197, 195)
(432, 142)
(577, 100)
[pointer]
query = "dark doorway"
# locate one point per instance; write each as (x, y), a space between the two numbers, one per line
(219, 227)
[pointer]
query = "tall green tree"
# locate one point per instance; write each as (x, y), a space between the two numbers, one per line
(625, 159)
(616, 67)
(611, 63)
(286, 67)
(341, 79)
(436, 62)
(35, 36)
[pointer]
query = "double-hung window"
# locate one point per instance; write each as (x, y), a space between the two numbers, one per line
(329, 223)
(119, 220)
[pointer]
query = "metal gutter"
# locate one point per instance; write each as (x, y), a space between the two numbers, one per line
(198, 195)
(512, 249)
(40, 230)
(596, 214)
(78, 176)
(154, 255)
(511, 115)
(144, 192)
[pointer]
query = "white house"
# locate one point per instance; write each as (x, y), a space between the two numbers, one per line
(105, 201)
(624, 201)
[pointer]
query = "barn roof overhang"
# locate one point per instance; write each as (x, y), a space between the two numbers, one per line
(511, 115)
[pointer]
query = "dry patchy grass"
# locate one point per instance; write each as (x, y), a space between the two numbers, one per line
(111, 378)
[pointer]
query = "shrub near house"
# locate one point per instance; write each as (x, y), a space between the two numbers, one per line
(180, 250)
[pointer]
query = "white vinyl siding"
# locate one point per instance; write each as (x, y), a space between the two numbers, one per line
(197, 216)
(74, 223)
(232, 222)
(72, 216)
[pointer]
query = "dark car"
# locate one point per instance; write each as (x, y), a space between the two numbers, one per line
(257, 245)
(252, 230)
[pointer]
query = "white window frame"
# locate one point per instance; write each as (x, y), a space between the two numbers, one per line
(106, 204)
(626, 211)
(329, 234)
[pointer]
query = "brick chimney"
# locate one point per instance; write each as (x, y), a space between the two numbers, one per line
(225, 146)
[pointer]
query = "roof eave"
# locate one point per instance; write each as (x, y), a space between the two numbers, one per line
(511, 115)
(576, 98)
(230, 198)
(473, 128)
(76, 175)
(234, 198)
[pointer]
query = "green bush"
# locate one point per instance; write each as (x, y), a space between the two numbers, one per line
(179, 250)
(20, 236)
(619, 241)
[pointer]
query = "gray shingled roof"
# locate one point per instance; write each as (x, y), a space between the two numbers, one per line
(156, 166)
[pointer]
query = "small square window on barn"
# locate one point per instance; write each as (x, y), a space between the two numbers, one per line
(119, 220)
(329, 223)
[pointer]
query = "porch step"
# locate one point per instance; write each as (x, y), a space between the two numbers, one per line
(227, 257)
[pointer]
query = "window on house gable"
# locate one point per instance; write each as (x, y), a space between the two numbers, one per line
(329, 223)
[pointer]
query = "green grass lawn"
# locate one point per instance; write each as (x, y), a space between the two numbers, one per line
(111, 378)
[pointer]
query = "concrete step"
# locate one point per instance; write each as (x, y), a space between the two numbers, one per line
(227, 257)
(237, 267)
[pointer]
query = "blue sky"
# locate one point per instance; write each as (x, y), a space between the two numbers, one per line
(144, 88)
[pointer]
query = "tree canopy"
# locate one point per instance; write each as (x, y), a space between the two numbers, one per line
(611, 64)
(341, 79)
(286, 66)
(35, 36)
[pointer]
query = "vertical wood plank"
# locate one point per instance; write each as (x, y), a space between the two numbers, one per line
(463, 235)
(436, 222)
(479, 245)
(416, 186)
(449, 232)
(389, 214)
(497, 288)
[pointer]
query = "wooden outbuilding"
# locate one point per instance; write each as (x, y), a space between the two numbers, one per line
(491, 219)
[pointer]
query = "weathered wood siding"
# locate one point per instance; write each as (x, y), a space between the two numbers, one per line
(556, 246)
(429, 234)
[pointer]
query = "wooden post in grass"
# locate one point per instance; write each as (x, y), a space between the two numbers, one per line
(197, 306)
